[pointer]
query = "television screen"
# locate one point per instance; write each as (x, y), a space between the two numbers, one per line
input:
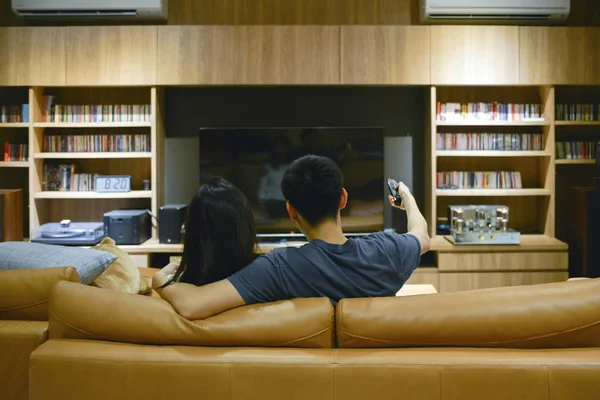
(255, 159)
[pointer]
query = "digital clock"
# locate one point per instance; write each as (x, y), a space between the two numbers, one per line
(113, 183)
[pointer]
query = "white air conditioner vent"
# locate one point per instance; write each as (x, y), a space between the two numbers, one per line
(70, 9)
(494, 11)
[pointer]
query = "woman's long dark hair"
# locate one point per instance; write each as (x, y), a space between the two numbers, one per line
(220, 237)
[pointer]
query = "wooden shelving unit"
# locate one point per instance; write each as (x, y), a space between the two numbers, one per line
(577, 123)
(536, 166)
(493, 192)
(48, 206)
(574, 162)
(493, 123)
(14, 164)
(134, 194)
(72, 125)
(87, 156)
(7, 125)
(492, 153)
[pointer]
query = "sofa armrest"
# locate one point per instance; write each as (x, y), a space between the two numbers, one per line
(24, 293)
(82, 312)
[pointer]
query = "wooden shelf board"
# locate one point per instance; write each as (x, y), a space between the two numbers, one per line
(491, 153)
(91, 155)
(569, 161)
(493, 192)
(14, 125)
(14, 164)
(134, 194)
(528, 243)
(92, 124)
(577, 123)
(492, 123)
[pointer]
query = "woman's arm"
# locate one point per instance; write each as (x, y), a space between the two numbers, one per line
(196, 302)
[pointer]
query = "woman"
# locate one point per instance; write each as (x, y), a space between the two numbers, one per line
(220, 237)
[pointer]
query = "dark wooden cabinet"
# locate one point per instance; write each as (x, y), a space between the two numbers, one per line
(11, 215)
(584, 233)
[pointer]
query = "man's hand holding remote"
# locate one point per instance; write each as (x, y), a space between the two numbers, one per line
(417, 225)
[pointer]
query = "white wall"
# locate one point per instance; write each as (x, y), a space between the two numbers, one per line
(183, 170)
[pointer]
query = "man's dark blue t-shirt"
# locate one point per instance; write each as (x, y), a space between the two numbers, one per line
(376, 265)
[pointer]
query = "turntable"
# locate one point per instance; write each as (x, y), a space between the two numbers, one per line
(67, 233)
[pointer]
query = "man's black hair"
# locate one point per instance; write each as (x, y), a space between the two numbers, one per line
(313, 185)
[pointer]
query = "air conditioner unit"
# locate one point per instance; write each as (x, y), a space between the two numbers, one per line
(494, 11)
(77, 9)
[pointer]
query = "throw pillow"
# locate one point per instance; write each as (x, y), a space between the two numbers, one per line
(22, 255)
(122, 275)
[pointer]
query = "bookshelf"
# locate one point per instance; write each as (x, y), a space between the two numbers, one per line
(13, 173)
(573, 173)
(53, 206)
(66, 125)
(493, 145)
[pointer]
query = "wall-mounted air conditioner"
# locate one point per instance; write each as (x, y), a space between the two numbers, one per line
(494, 11)
(65, 9)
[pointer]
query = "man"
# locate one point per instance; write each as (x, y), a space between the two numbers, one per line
(330, 265)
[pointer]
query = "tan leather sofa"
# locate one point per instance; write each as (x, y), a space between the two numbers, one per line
(533, 342)
(24, 298)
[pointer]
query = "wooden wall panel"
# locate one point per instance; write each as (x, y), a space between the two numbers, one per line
(457, 281)
(503, 261)
(385, 55)
(115, 55)
(307, 12)
(474, 55)
(249, 55)
(32, 56)
(287, 12)
(559, 55)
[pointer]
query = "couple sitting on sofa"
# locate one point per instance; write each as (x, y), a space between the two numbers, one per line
(219, 270)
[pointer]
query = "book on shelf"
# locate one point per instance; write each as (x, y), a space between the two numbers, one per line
(577, 112)
(489, 141)
(576, 150)
(64, 178)
(15, 152)
(96, 143)
(12, 114)
(488, 112)
(93, 112)
(479, 180)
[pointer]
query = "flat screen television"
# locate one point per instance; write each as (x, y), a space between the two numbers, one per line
(254, 160)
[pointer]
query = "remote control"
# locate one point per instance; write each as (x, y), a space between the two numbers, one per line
(392, 184)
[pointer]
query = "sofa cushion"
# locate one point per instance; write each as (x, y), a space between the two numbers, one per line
(24, 293)
(122, 275)
(17, 340)
(22, 255)
(555, 315)
(85, 312)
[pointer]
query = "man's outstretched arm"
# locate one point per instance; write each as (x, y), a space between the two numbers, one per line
(197, 302)
(417, 224)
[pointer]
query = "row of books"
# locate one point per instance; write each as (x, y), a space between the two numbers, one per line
(576, 150)
(63, 178)
(15, 152)
(488, 112)
(479, 180)
(489, 141)
(96, 143)
(94, 113)
(14, 113)
(577, 112)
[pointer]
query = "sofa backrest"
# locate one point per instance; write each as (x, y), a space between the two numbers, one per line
(555, 315)
(24, 293)
(83, 312)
